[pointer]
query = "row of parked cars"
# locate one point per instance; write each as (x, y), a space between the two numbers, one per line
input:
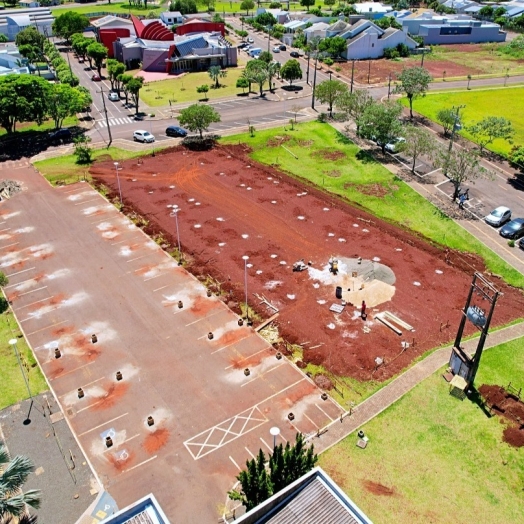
(140, 135)
(510, 229)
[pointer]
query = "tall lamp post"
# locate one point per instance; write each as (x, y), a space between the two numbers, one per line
(456, 127)
(176, 209)
(246, 258)
(118, 181)
(13, 344)
(274, 431)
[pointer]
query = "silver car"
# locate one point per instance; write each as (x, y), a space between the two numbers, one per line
(498, 216)
(143, 136)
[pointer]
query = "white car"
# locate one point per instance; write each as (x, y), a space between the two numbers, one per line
(143, 136)
(395, 145)
(113, 96)
(250, 40)
(276, 50)
(498, 217)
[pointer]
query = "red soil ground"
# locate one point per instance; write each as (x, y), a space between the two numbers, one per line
(229, 197)
(511, 408)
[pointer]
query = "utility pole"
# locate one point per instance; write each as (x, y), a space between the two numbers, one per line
(107, 118)
(352, 75)
(455, 124)
(389, 86)
(369, 69)
(307, 72)
(314, 83)
(423, 55)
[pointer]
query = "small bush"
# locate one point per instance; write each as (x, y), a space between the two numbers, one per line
(511, 243)
(329, 61)
(391, 52)
(322, 118)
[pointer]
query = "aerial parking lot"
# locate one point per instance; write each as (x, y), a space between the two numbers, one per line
(85, 281)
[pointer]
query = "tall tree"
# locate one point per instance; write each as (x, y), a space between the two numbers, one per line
(414, 82)
(266, 19)
(69, 23)
(215, 73)
(198, 117)
(124, 82)
(460, 165)
(114, 70)
(285, 466)
(355, 104)
(419, 142)
(13, 475)
(30, 36)
(329, 91)
(307, 3)
(98, 52)
(32, 54)
(247, 5)
(272, 69)
(256, 73)
(80, 43)
(291, 70)
(24, 99)
(447, 118)
(381, 123)
(490, 128)
(134, 86)
(64, 101)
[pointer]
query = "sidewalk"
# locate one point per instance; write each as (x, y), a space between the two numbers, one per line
(388, 395)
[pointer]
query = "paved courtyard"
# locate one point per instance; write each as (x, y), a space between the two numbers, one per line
(78, 268)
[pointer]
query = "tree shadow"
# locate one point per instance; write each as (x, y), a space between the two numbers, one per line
(517, 182)
(365, 157)
(292, 88)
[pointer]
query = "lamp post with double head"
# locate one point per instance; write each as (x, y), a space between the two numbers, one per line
(246, 258)
(174, 213)
(118, 181)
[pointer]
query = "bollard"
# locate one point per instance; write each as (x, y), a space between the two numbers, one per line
(279, 355)
(119, 375)
(240, 322)
(324, 396)
(360, 434)
(209, 293)
(109, 442)
(247, 372)
(80, 393)
(150, 420)
(180, 304)
(291, 416)
(57, 353)
(210, 336)
(94, 339)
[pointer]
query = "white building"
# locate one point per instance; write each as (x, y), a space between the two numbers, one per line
(114, 22)
(171, 17)
(11, 61)
(12, 21)
(373, 10)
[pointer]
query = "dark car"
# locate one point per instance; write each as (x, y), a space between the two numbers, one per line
(294, 54)
(282, 47)
(521, 243)
(176, 131)
(96, 78)
(60, 135)
(513, 229)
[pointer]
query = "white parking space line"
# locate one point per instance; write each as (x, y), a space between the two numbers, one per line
(224, 347)
(10, 245)
(72, 371)
(141, 256)
(47, 327)
(159, 288)
(33, 303)
(141, 464)
(247, 357)
(305, 415)
(6, 229)
(262, 375)
(332, 419)
(86, 201)
(41, 314)
(204, 318)
(266, 444)
(247, 449)
(123, 442)
(104, 424)
(233, 461)
(27, 292)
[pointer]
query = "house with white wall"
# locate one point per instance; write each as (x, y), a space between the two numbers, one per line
(171, 18)
(12, 21)
(372, 10)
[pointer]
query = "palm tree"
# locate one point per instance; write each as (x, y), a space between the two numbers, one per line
(13, 475)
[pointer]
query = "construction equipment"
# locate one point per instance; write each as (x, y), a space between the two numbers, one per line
(333, 265)
(300, 265)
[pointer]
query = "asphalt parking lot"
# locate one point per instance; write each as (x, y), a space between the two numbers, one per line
(78, 268)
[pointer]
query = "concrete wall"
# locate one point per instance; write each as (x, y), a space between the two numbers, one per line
(154, 60)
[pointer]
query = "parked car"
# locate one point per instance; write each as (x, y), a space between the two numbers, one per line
(498, 217)
(294, 54)
(521, 243)
(61, 135)
(276, 49)
(242, 45)
(513, 229)
(395, 145)
(96, 78)
(80, 60)
(113, 96)
(143, 136)
(176, 131)
(250, 40)
(282, 47)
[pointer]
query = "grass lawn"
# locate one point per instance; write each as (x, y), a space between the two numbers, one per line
(434, 458)
(113, 7)
(183, 88)
(64, 169)
(12, 385)
(354, 174)
(31, 127)
(507, 102)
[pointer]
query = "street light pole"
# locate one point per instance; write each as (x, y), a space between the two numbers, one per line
(176, 209)
(246, 258)
(274, 431)
(352, 75)
(314, 83)
(455, 123)
(389, 86)
(118, 181)
(13, 344)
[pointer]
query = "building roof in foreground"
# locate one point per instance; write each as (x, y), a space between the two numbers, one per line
(144, 511)
(312, 499)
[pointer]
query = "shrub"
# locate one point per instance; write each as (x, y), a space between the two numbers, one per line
(275, 5)
(329, 61)
(403, 50)
(391, 52)
(511, 243)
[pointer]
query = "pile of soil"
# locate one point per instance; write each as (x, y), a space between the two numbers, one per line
(511, 408)
(232, 206)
